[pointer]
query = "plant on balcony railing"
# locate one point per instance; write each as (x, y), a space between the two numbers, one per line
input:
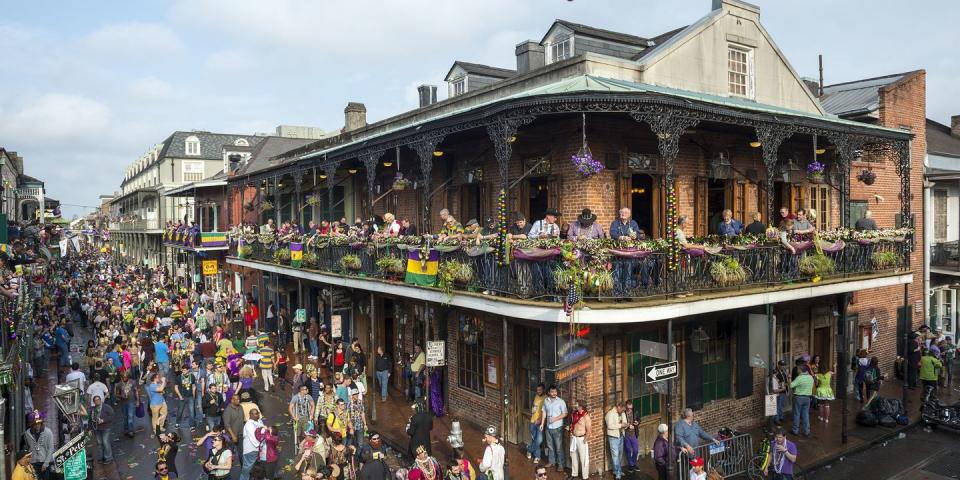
(392, 267)
(244, 251)
(453, 273)
(884, 260)
(727, 271)
(311, 259)
(266, 206)
(817, 266)
(282, 255)
(351, 263)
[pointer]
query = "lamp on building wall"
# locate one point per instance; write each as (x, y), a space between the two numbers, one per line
(698, 340)
(67, 397)
(720, 166)
(791, 172)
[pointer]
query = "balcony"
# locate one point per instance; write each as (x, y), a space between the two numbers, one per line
(136, 226)
(595, 271)
(196, 241)
(945, 258)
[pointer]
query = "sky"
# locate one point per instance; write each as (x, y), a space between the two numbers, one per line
(88, 87)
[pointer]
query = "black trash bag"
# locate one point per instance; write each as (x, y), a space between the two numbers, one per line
(887, 421)
(867, 418)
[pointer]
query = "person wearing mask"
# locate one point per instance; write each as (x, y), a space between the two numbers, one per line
(688, 433)
(729, 226)
(554, 411)
(493, 455)
(382, 366)
(756, 227)
(866, 223)
(585, 227)
(615, 421)
(802, 386)
(580, 427)
(663, 453)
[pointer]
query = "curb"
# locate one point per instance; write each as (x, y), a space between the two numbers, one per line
(859, 448)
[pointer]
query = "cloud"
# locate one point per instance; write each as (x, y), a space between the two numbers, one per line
(228, 60)
(133, 41)
(151, 88)
(55, 118)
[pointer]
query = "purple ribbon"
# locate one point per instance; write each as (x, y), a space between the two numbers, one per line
(536, 254)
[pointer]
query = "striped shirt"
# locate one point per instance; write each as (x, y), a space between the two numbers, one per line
(266, 358)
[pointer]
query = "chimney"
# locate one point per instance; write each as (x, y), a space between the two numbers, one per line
(955, 125)
(354, 116)
(427, 94)
(530, 56)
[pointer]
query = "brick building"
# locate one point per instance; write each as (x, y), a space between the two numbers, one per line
(692, 122)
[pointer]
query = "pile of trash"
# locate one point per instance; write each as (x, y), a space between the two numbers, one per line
(886, 412)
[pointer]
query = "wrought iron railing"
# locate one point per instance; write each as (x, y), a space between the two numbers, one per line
(135, 225)
(632, 278)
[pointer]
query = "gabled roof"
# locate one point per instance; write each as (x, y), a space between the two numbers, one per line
(940, 141)
(859, 97)
(478, 69)
(594, 32)
(211, 144)
(269, 148)
(657, 41)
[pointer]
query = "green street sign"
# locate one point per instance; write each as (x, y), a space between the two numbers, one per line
(75, 468)
(301, 316)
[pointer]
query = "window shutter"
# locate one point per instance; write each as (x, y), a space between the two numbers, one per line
(553, 192)
(744, 376)
(659, 207)
(487, 208)
(518, 201)
(700, 214)
(624, 186)
(762, 205)
(693, 372)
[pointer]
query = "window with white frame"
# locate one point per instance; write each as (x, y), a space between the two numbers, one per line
(192, 145)
(740, 71)
(561, 48)
(458, 86)
(192, 171)
(241, 142)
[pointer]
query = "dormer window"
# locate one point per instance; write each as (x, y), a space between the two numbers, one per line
(561, 48)
(740, 71)
(458, 86)
(241, 142)
(192, 145)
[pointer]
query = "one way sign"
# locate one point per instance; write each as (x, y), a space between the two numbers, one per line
(663, 371)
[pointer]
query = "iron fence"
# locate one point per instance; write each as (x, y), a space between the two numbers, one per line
(730, 458)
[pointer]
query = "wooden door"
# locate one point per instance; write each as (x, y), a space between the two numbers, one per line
(519, 201)
(700, 214)
(554, 194)
(624, 189)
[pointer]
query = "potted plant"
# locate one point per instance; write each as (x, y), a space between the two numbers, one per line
(244, 251)
(391, 267)
(400, 183)
(817, 266)
(727, 271)
(311, 259)
(599, 282)
(266, 205)
(282, 255)
(884, 260)
(351, 263)
(868, 176)
(815, 172)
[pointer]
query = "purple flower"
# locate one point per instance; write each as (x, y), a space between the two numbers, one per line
(815, 167)
(586, 164)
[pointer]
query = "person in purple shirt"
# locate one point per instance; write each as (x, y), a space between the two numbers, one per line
(783, 456)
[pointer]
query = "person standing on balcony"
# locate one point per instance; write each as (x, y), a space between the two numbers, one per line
(542, 271)
(756, 227)
(554, 411)
(407, 228)
(802, 225)
(867, 223)
(625, 228)
(585, 227)
(520, 228)
(391, 226)
(268, 227)
(729, 226)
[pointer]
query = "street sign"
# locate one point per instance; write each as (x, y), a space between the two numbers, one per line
(301, 316)
(68, 450)
(660, 372)
(436, 353)
(209, 267)
(75, 468)
(336, 326)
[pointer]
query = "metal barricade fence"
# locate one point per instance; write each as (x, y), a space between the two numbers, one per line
(731, 458)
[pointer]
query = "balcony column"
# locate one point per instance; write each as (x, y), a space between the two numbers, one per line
(330, 170)
(903, 162)
(276, 200)
(771, 136)
(425, 145)
(668, 126)
(500, 131)
(298, 201)
(370, 161)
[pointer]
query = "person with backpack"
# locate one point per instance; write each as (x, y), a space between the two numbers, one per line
(220, 460)
(872, 378)
(859, 366)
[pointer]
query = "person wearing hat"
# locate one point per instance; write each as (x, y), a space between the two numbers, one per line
(425, 467)
(697, 471)
(301, 409)
(419, 427)
(39, 440)
(493, 456)
(586, 227)
(546, 227)
(663, 453)
(374, 446)
(930, 366)
(777, 384)
(358, 417)
(24, 469)
(451, 228)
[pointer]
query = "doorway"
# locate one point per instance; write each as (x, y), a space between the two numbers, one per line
(821, 344)
(526, 345)
(539, 198)
(470, 203)
(641, 201)
(716, 202)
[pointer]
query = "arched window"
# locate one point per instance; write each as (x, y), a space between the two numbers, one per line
(192, 145)
(241, 142)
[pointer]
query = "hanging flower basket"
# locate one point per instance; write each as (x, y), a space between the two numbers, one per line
(400, 183)
(266, 205)
(587, 166)
(815, 172)
(868, 177)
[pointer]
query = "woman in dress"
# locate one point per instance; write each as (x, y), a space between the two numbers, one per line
(824, 393)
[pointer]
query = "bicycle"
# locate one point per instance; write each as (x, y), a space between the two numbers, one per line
(761, 461)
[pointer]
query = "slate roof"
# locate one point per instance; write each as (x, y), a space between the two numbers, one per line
(485, 70)
(211, 144)
(940, 141)
(269, 148)
(657, 41)
(859, 97)
(589, 31)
